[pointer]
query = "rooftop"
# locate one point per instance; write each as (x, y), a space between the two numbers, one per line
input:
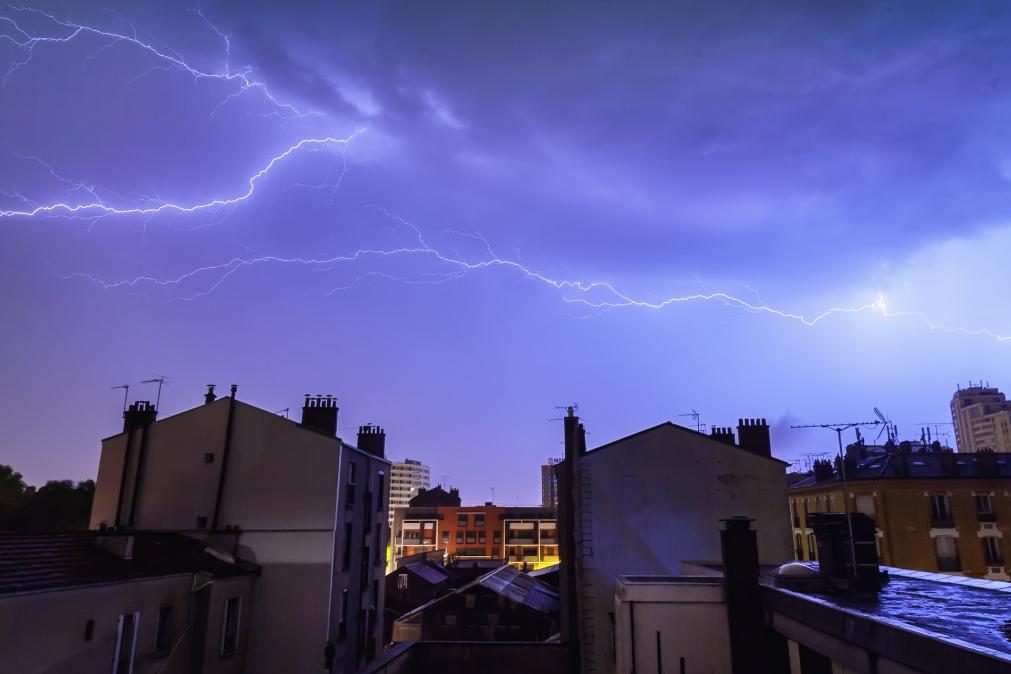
(53, 561)
(971, 613)
(918, 465)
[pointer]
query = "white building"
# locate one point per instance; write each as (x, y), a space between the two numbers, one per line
(651, 502)
(982, 419)
(406, 478)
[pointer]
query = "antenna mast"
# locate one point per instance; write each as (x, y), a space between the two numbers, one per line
(160, 380)
(126, 394)
(694, 415)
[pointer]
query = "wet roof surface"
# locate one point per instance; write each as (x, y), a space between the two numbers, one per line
(975, 613)
(522, 589)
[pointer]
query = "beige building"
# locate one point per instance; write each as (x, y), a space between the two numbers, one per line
(406, 478)
(94, 603)
(293, 498)
(650, 502)
(982, 419)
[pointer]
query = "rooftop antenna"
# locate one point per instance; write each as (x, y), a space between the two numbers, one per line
(284, 412)
(888, 426)
(694, 415)
(160, 380)
(493, 494)
(126, 393)
(839, 428)
(571, 407)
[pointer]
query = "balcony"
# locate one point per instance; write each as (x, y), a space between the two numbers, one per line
(986, 517)
(520, 541)
(942, 521)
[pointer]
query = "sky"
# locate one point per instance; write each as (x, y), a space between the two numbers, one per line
(461, 217)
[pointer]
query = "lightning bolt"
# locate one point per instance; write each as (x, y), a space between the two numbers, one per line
(27, 41)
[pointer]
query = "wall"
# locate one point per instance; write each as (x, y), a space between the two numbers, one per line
(902, 513)
(655, 499)
(423, 657)
(44, 631)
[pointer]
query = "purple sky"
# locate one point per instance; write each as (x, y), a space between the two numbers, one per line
(434, 270)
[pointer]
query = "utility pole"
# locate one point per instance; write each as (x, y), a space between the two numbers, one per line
(839, 428)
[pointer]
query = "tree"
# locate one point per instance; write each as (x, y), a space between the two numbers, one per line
(12, 493)
(59, 505)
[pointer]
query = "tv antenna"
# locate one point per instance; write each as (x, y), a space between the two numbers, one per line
(893, 432)
(694, 415)
(126, 393)
(839, 428)
(160, 380)
(574, 407)
(284, 412)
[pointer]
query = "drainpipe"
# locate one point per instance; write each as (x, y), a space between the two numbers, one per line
(141, 456)
(122, 477)
(224, 459)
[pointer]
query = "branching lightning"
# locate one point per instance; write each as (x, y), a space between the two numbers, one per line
(594, 296)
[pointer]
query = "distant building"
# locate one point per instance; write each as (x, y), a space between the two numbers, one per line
(300, 502)
(982, 419)
(549, 484)
(100, 602)
(649, 503)
(934, 511)
(502, 605)
(407, 477)
(525, 537)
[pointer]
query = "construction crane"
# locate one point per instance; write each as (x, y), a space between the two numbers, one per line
(839, 428)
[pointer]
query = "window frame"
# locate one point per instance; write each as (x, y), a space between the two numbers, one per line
(225, 615)
(118, 652)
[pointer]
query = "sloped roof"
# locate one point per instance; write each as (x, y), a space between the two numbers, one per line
(681, 429)
(53, 561)
(521, 588)
(428, 571)
(916, 466)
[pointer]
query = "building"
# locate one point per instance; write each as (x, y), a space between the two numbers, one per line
(526, 537)
(933, 511)
(298, 501)
(549, 484)
(502, 605)
(982, 419)
(95, 602)
(648, 503)
(407, 477)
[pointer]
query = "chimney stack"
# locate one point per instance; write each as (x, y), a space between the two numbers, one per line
(739, 545)
(210, 396)
(753, 435)
(723, 434)
(138, 415)
(372, 439)
(319, 414)
(836, 553)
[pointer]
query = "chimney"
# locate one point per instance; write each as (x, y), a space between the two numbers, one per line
(739, 545)
(836, 554)
(822, 470)
(210, 396)
(753, 435)
(320, 414)
(139, 415)
(372, 439)
(723, 434)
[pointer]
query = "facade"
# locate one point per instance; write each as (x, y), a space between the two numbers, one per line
(549, 484)
(933, 511)
(407, 477)
(649, 503)
(94, 603)
(526, 538)
(291, 497)
(982, 419)
(502, 605)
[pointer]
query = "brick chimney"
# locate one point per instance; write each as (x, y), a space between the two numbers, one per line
(723, 434)
(138, 415)
(320, 414)
(753, 435)
(372, 439)
(210, 396)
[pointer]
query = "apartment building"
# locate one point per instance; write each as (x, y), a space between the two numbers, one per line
(981, 416)
(549, 484)
(407, 477)
(941, 512)
(525, 537)
(293, 498)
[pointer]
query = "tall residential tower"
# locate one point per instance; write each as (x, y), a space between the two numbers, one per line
(982, 419)
(406, 479)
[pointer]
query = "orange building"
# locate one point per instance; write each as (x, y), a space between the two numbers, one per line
(526, 537)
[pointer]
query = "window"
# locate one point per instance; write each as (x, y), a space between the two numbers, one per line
(364, 571)
(479, 520)
(496, 537)
(449, 619)
(798, 547)
(342, 626)
(379, 544)
(346, 561)
(380, 490)
(230, 626)
(402, 581)
(469, 601)
(163, 631)
(445, 538)
(984, 508)
(991, 551)
(89, 630)
(351, 472)
(947, 553)
(865, 504)
(202, 522)
(471, 537)
(812, 547)
(940, 510)
(481, 537)
(461, 521)
(459, 537)
(209, 457)
(126, 643)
